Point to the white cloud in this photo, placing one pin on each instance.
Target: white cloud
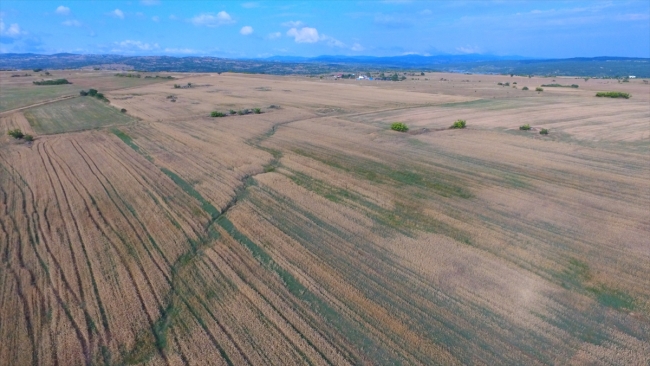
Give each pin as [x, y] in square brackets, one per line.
[155, 18]
[62, 10]
[357, 47]
[332, 42]
[129, 44]
[246, 30]
[304, 35]
[13, 31]
[210, 20]
[149, 2]
[293, 24]
[468, 49]
[181, 50]
[117, 13]
[274, 35]
[250, 5]
[72, 23]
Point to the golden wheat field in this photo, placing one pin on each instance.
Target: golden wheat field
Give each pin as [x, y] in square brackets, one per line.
[312, 234]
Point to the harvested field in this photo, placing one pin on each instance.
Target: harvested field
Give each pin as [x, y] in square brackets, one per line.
[313, 234]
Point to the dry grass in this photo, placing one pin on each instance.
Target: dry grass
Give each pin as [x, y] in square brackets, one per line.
[312, 234]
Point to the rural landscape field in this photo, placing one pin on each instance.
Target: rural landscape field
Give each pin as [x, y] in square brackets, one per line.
[299, 229]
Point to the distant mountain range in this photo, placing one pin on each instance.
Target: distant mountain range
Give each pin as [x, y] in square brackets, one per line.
[470, 63]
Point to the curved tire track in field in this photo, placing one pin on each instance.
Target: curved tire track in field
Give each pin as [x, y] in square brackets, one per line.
[128, 220]
[110, 240]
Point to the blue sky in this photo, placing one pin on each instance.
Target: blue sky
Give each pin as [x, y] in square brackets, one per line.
[310, 28]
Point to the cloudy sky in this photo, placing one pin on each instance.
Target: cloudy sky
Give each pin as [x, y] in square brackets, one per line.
[311, 28]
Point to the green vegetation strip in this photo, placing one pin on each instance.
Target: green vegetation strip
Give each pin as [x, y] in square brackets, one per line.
[612, 94]
[207, 206]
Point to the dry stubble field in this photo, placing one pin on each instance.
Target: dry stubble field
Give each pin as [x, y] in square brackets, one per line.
[312, 234]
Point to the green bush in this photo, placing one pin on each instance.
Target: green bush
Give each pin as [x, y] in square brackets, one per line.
[232, 111]
[217, 114]
[543, 131]
[92, 92]
[538, 89]
[613, 95]
[525, 127]
[399, 126]
[123, 110]
[524, 88]
[28, 138]
[16, 133]
[459, 124]
[257, 110]
[83, 93]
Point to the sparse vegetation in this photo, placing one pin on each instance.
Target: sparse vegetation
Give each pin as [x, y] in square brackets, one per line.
[543, 131]
[561, 86]
[525, 127]
[538, 89]
[93, 93]
[524, 88]
[461, 123]
[52, 82]
[217, 114]
[28, 138]
[257, 110]
[613, 94]
[128, 75]
[399, 126]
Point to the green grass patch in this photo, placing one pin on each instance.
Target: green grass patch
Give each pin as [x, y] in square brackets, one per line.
[406, 217]
[612, 298]
[76, 114]
[12, 97]
[205, 205]
[370, 170]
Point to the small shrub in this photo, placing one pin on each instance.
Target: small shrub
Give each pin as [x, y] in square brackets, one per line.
[399, 126]
[543, 131]
[525, 127]
[38, 70]
[613, 95]
[232, 111]
[459, 124]
[83, 93]
[217, 114]
[499, 83]
[28, 138]
[123, 110]
[257, 110]
[514, 83]
[538, 89]
[92, 92]
[177, 86]
[16, 133]
[524, 88]
[506, 84]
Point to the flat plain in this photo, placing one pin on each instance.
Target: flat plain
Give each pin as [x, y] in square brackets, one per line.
[313, 234]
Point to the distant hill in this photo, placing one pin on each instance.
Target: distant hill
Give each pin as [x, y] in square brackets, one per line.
[471, 63]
